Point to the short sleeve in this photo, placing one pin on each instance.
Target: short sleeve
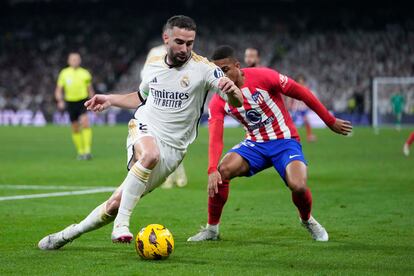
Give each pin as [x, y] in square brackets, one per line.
[144, 89]
[213, 76]
[61, 79]
[88, 78]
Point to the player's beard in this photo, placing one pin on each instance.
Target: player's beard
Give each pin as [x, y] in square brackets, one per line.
[178, 59]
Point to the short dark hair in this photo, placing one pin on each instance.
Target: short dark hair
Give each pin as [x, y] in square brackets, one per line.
[180, 21]
[255, 49]
[222, 52]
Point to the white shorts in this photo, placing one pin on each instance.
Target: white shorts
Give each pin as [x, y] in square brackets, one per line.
[170, 158]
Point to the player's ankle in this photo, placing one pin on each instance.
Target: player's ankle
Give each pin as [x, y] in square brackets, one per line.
[213, 227]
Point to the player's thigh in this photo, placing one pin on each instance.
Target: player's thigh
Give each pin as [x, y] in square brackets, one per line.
[140, 142]
[170, 159]
[289, 161]
[146, 151]
[233, 165]
[253, 160]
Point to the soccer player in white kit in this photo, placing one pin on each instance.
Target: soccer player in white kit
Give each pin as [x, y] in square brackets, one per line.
[169, 105]
[178, 177]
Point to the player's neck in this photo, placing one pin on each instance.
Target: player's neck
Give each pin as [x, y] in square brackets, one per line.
[240, 80]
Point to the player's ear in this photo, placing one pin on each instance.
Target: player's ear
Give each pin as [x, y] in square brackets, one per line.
[165, 37]
[237, 64]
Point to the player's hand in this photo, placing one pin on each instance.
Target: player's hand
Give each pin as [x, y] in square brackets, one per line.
[342, 127]
[98, 103]
[214, 179]
[227, 86]
[61, 105]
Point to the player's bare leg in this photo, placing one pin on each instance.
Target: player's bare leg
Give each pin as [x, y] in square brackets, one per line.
[231, 166]
[296, 178]
[99, 217]
[146, 154]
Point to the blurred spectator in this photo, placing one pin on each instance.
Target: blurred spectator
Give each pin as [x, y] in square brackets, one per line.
[252, 57]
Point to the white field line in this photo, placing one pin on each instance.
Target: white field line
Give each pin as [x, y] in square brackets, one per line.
[44, 187]
[68, 193]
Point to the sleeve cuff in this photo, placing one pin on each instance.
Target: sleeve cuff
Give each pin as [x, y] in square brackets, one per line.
[211, 170]
[139, 96]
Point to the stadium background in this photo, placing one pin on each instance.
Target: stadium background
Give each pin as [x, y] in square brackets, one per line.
[340, 46]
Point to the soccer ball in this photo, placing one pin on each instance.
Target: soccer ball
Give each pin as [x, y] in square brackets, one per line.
[154, 242]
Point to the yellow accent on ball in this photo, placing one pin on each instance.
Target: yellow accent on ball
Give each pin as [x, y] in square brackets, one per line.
[154, 242]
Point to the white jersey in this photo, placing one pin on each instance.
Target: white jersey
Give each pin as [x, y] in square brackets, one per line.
[155, 51]
[174, 97]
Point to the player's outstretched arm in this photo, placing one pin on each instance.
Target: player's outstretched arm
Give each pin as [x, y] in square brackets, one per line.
[341, 127]
[232, 91]
[100, 102]
[215, 142]
[302, 93]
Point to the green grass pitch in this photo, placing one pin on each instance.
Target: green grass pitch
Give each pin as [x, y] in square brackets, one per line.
[363, 191]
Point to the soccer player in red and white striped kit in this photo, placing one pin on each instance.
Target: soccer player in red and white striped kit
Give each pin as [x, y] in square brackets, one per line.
[407, 144]
[271, 139]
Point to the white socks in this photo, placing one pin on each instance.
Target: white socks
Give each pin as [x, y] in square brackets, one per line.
[134, 186]
[214, 228]
[96, 219]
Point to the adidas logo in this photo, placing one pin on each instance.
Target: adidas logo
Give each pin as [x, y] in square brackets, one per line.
[154, 80]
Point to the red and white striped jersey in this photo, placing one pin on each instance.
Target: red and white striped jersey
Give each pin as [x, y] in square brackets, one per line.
[263, 114]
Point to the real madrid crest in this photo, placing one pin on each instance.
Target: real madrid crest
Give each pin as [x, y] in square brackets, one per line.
[185, 82]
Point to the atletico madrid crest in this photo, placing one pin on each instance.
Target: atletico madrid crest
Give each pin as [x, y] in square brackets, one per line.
[258, 97]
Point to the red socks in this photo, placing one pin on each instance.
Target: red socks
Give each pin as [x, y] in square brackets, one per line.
[216, 203]
[410, 139]
[308, 129]
[303, 202]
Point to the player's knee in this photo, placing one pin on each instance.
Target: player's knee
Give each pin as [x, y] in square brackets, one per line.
[297, 184]
[75, 128]
[149, 158]
[225, 171]
[85, 122]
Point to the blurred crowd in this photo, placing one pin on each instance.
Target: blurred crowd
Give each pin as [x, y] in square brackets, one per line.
[343, 63]
[32, 52]
[339, 62]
